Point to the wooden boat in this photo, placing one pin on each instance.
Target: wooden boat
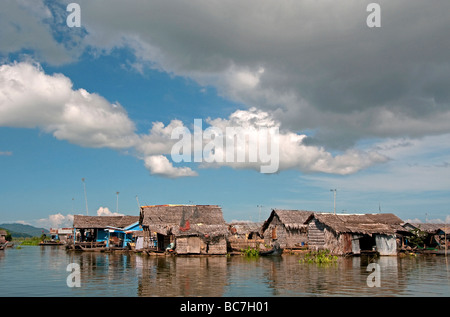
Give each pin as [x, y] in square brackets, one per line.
[51, 243]
[275, 251]
[433, 252]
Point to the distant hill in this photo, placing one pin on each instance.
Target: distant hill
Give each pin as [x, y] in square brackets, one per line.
[19, 230]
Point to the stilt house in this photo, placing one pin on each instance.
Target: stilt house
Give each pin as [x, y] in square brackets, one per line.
[287, 226]
[104, 231]
[186, 229]
[353, 233]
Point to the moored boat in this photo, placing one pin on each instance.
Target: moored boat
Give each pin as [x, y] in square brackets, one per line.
[50, 243]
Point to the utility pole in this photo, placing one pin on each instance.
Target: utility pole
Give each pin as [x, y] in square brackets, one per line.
[117, 203]
[85, 196]
[334, 190]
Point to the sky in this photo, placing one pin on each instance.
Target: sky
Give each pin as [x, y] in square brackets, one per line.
[95, 99]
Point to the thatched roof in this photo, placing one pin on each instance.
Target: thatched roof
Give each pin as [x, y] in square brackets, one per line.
[100, 222]
[244, 227]
[291, 219]
[432, 228]
[359, 223]
[184, 220]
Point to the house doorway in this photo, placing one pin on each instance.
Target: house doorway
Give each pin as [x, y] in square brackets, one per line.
[367, 243]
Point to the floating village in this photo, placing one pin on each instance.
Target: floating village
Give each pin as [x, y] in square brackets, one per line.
[169, 230]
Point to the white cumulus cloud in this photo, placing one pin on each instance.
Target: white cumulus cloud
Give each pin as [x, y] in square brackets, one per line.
[29, 98]
[104, 211]
[160, 165]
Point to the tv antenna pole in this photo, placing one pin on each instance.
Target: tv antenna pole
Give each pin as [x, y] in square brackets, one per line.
[334, 190]
[259, 216]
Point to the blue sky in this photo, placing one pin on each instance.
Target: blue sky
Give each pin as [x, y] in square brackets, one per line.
[366, 114]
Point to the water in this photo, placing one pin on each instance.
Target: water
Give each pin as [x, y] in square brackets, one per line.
[41, 271]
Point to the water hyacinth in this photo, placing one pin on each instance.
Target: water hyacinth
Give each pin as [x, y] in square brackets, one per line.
[319, 257]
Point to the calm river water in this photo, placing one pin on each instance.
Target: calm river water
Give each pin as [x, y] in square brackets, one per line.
[42, 271]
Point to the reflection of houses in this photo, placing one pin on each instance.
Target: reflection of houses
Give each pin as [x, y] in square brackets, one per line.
[243, 234]
[93, 232]
[171, 276]
[287, 226]
[190, 229]
[353, 234]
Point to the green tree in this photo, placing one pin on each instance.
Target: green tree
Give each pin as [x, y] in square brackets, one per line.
[418, 238]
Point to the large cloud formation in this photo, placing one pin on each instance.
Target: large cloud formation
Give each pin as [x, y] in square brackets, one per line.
[310, 66]
[30, 98]
[313, 64]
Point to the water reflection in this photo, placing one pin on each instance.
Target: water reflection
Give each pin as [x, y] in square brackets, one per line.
[182, 276]
[239, 276]
[42, 271]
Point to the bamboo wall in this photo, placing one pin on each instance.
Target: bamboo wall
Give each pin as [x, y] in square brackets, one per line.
[287, 238]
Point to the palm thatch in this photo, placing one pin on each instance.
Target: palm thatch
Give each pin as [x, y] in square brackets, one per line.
[291, 219]
[244, 228]
[184, 220]
[359, 223]
[100, 222]
[432, 228]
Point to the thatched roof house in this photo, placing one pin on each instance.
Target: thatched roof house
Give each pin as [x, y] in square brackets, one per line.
[3, 235]
[287, 226]
[353, 233]
[244, 229]
[104, 230]
[243, 235]
[430, 228]
[435, 234]
[194, 229]
[101, 222]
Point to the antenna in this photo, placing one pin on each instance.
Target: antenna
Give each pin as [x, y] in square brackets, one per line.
[259, 216]
[117, 202]
[139, 205]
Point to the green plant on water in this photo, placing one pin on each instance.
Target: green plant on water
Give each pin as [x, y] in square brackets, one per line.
[250, 252]
[31, 241]
[319, 257]
[418, 238]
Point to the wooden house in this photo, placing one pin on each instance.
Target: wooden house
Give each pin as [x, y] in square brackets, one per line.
[3, 235]
[244, 234]
[63, 235]
[353, 233]
[435, 235]
[287, 227]
[92, 232]
[185, 229]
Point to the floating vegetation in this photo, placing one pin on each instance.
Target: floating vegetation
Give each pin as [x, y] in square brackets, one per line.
[319, 257]
[250, 252]
[30, 241]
